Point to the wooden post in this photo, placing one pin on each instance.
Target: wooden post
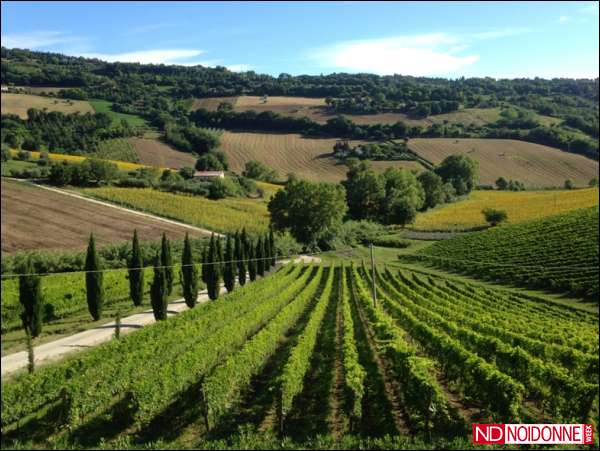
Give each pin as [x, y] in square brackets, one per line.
[373, 275]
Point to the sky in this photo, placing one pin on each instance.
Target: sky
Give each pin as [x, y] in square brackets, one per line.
[442, 39]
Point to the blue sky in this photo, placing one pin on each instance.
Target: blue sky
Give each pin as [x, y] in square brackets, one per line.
[448, 39]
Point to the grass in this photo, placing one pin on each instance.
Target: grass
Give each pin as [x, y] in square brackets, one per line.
[15, 340]
[19, 104]
[104, 106]
[225, 215]
[535, 165]
[520, 206]
[17, 165]
[117, 149]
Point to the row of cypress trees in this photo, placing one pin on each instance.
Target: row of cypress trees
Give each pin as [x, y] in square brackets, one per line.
[242, 257]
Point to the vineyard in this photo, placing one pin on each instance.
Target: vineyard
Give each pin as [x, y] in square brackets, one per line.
[224, 215]
[558, 253]
[306, 351]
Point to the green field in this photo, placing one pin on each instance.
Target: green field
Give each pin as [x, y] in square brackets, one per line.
[16, 165]
[104, 106]
[347, 369]
[559, 253]
[119, 149]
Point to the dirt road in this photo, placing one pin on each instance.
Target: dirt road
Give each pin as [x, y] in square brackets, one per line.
[55, 350]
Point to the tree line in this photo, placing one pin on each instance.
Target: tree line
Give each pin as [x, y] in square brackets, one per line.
[243, 259]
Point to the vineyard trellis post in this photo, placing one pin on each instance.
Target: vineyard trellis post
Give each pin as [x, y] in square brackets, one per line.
[373, 275]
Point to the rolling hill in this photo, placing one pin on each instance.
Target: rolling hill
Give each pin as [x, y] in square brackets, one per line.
[289, 152]
[533, 164]
[19, 104]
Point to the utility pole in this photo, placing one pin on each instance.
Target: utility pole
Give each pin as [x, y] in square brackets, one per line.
[373, 275]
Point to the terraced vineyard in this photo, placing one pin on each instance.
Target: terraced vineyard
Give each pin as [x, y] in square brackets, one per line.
[559, 253]
[429, 358]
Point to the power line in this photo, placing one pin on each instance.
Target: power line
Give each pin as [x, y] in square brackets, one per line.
[507, 265]
[14, 275]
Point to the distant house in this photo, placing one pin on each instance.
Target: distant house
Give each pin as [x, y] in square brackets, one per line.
[209, 175]
[4, 88]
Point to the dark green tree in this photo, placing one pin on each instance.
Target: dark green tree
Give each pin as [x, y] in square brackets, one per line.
[230, 266]
[158, 291]
[30, 297]
[214, 271]
[189, 274]
[312, 212]
[167, 262]
[433, 186]
[205, 266]
[240, 256]
[260, 257]
[136, 272]
[272, 249]
[461, 171]
[365, 190]
[251, 262]
[94, 281]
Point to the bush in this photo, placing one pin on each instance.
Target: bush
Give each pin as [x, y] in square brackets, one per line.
[23, 155]
[493, 216]
[569, 184]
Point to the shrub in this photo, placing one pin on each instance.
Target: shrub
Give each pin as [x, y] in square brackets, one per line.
[493, 216]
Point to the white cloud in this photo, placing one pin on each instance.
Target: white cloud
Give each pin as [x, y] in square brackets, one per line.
[563, 19]
[36, 39]
[419, 55]
[239, 67]
[181, 57]
[428, 54]
[495, 34]
[156, 56]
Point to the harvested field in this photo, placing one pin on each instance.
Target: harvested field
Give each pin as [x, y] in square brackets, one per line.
[154, 152]
[308, 158]
[315, 109]
[19, 104]
[35, 218]
[535, 165]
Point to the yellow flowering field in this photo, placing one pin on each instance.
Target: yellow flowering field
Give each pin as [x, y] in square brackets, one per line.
[224, 215]
[519, 206]
[122, 165]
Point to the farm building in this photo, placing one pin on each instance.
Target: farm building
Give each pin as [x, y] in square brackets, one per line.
[209, 175]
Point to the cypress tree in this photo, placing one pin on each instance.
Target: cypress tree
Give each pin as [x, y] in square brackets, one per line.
[189, 274]
[30, 297]
[272, 250]
[240, 256]
[167, 262]
[214, 274]
[136, 273]
[30, 354]
[246, 242]
[94, 281]
[204, 264]
[260, 257]
[158, 291]
[251, 263]
[230, 269]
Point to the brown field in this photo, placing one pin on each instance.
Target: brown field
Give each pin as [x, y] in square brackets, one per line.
[315, 109]
[308, 158]
[157, 153]
[35, 218]
[19, 104]
[533, 164]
